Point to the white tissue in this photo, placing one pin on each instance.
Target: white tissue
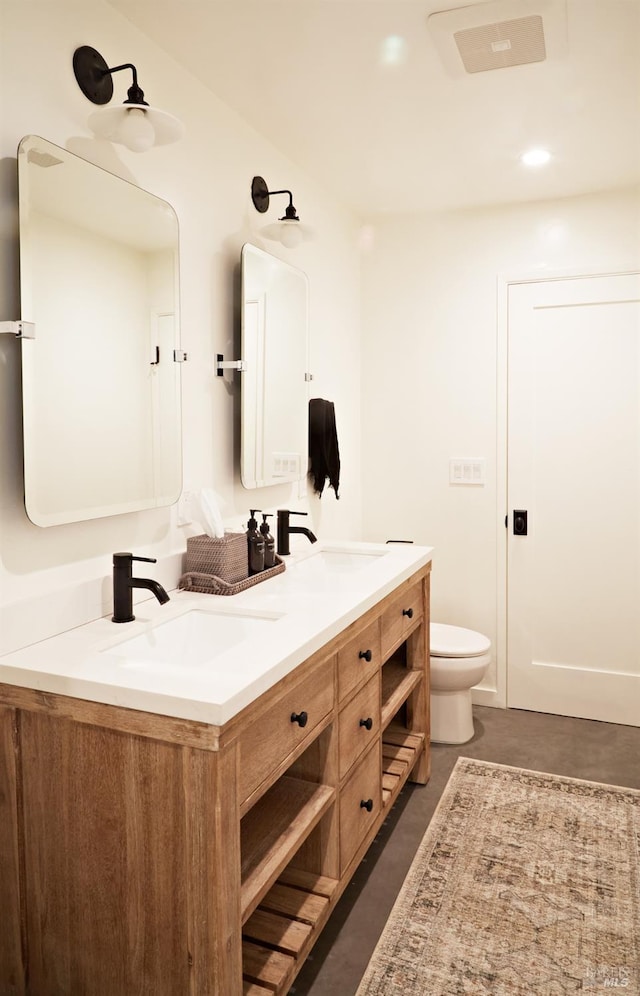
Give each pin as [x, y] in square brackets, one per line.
[210, 515]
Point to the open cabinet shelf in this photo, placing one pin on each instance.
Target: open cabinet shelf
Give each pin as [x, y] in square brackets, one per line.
[398, 682]
[273, 830]
[400, 752]
[278, 936]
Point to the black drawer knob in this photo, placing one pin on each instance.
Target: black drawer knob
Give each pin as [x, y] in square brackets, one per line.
[366, 804]
[367, 723]
[366, 654]
[300, 718]
[408, 613]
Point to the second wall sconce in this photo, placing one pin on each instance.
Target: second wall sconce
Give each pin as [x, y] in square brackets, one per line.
[288, 230]
[134, 123]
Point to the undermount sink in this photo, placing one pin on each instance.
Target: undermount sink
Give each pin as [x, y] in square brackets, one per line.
[337, 561]
[329, 570]
[193, 639]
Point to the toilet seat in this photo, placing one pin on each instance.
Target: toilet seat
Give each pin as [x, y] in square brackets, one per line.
[454, 641]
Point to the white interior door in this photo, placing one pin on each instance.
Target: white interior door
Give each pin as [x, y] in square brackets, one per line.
[573, 600]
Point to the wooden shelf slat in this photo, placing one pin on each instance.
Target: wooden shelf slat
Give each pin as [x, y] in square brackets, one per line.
[398, 735]
[397, 684]
[394, 767]
[404, 754]
[321, 885]
[274, 931]
[400, 752]
[303, 906]
[271, 969]
[389, 782]
[273, 830]
[253, 989]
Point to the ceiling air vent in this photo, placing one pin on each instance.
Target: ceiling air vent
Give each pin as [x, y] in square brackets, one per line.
[496, 46]
[497, 34]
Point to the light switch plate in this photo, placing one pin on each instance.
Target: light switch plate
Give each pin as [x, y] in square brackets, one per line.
[467, 471]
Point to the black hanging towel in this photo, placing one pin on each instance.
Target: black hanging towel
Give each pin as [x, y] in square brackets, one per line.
[323, 446]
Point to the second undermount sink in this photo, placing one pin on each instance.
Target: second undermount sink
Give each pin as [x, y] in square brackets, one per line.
[337, 561]
[330, 570]
[193, 639]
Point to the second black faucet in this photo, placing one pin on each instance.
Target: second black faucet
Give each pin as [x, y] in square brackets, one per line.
[285, 530]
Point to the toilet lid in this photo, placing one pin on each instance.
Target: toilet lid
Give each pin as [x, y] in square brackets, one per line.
[453, 641]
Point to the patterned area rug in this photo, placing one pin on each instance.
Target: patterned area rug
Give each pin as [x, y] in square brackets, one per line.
[525, 883]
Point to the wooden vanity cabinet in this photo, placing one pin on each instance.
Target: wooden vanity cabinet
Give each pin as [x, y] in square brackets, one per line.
[142, 853]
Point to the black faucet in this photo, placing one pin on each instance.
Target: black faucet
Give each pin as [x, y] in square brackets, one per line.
[285, 530]
[124, 583]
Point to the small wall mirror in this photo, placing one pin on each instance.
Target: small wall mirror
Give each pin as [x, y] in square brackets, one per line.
[275, 389]
[101, 378]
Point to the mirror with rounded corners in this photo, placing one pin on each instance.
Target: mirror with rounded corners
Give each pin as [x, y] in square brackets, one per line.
[275, 394]
[101, 377]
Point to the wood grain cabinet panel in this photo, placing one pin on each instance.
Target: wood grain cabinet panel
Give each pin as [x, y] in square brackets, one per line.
[120, 895]
[271, 739]
[401, 618]
[358, 660]
[11, 967]
[359, 724]
[360, 804]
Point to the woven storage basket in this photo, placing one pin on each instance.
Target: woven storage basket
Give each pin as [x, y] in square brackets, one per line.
[226, 558]
[207, 584]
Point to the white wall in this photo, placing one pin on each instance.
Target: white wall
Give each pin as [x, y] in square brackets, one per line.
[428, 348]
[430, 365]
[54, 578]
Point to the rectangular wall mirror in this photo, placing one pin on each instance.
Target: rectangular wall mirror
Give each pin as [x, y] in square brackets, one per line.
[101, 377]
[275, 389]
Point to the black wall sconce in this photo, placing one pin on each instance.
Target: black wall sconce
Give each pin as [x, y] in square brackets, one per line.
[134, 123]
[288, 230]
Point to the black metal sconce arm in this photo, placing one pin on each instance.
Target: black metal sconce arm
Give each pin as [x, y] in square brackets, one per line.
[135, 95]
[94, 77]
[260, 195]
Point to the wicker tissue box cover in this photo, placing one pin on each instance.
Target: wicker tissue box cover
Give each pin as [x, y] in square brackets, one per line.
[225, 558]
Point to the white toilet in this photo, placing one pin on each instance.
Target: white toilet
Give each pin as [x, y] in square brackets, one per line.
[459, 659]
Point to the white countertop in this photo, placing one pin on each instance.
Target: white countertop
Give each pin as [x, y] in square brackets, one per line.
[305, 612]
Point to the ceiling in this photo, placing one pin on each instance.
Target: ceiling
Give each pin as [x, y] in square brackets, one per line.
[358, 94]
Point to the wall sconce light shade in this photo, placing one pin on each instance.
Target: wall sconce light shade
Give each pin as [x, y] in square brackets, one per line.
[134, 123]
[138, 127]
[288, 230]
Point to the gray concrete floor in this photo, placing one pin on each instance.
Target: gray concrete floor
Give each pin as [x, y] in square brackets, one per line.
[579, 748]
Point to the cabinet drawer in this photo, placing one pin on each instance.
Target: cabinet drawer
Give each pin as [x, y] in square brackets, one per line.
[363, 789]
[401, 617]
[359, 723]
[358, 660]
[273, 735]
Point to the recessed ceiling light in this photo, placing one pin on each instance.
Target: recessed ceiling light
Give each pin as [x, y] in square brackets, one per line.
[393, 51]
[535, 157]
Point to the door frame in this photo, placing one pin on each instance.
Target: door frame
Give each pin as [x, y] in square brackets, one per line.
[499, 696]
